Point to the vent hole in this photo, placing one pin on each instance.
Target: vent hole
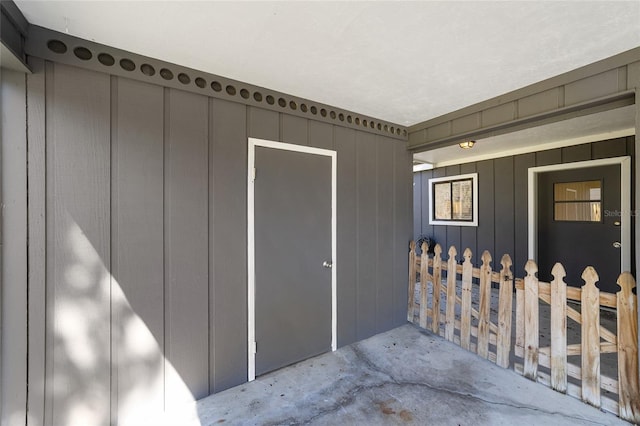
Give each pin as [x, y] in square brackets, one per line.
[332, 114]
[106, 59]
[245, 93]
[386, 128]
[282, 102]
[303, 107]
[183, 78]
[365, 123]
[323, 112]
[397, 131]
[293, 105]
[314, 110]
[392, 129]
[57, 46]
[127, 64]
[230, 90]
[341, 117]
[147, 70]
[379, 126]
[257, 96]
[371, 124]
[404, 132]
[270, 100]
[349, 119]
[358, 121]
[166, 74]
[216, 86]
[200, 82]
[82, 53]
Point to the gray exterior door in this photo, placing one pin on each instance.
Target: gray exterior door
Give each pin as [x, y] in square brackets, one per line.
[579, 218]
[293, 296]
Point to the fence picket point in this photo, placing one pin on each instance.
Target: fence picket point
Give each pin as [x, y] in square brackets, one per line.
[505, 301]
[558, 329]
[590, 338]
[449, 330]
[465, 305]
[437, 281]
[531, 321]
[485, 304]
[628, 387]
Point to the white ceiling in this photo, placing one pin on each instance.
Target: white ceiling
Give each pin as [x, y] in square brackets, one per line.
[403, 62]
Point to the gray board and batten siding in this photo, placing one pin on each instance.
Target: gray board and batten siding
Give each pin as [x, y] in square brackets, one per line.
[138, 229]
[502, 202]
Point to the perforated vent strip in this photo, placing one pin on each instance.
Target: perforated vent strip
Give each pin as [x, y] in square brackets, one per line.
[203, 83]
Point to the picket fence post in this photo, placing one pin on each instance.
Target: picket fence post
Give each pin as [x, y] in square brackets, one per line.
[424, 280]
[531, 321]
[558, 329]
[465, 309]
[628, 388]
[450, 320]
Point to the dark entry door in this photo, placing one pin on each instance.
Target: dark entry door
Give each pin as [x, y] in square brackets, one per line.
[579, 224]
[292, 243]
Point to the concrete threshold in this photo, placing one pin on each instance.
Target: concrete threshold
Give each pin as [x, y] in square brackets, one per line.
[406, 376]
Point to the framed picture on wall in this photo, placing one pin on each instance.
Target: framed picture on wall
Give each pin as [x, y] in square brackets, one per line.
[453, 200]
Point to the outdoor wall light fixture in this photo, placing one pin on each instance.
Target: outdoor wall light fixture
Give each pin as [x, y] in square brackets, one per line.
[467, 144]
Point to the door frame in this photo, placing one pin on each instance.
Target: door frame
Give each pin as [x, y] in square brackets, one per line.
[625, 202]
[251, 267]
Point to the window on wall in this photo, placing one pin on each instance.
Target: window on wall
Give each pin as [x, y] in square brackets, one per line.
[577, 201]
[453, 200]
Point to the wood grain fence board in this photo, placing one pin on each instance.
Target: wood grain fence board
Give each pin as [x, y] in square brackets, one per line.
[437, 282]
[605, 334]
[629, 391]
[590, 338]
[493, 328]
[451, 295]
[412, 280]
[531, 318]
[485, 305]
[607, 383]
[519, 344]
[465, 303]
[505, 301]
[574, 294]
[424, 280]
[576, 349]
[558, 329]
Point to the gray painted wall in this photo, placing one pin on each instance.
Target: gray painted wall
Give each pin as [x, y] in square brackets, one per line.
[13, 248]
[145, 239]
[502, 203]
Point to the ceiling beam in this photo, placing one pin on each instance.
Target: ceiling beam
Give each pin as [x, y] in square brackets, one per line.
[600, 86]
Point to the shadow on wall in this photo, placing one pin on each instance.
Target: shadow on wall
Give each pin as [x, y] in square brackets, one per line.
[104, 365]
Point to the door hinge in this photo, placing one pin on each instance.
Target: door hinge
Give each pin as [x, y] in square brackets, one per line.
[253, 175]
[255, 347]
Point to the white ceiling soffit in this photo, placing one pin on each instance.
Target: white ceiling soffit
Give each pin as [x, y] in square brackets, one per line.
[589, 128]
[404, 62]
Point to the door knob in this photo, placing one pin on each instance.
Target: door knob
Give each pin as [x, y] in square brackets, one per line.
[327, 264]
[617, 244]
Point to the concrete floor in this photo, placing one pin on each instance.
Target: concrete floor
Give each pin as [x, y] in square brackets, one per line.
[404, 376]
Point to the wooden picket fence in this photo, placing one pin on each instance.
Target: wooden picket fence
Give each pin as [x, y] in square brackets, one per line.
[473, 329]
[469, 322]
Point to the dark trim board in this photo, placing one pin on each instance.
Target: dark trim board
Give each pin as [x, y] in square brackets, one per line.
[502, 182]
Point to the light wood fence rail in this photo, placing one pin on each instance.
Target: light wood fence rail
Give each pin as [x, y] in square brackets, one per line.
[458, 307]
